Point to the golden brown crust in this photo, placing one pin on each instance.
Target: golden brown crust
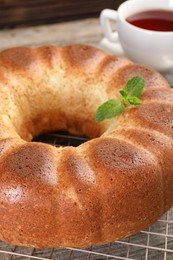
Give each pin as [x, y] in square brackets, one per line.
[105, 189]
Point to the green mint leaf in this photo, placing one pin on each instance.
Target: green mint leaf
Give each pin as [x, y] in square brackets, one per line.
[130, 95]
[133, 101]
[109, 109]
[134, 87]
[123, 93]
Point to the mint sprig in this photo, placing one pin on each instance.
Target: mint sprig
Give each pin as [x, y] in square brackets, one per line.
[109, 109]
[129, 95]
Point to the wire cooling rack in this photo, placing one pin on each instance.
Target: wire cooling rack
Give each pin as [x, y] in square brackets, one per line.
[155, 243]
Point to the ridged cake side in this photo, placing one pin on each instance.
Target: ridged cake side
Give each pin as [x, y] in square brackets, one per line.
[107, 188]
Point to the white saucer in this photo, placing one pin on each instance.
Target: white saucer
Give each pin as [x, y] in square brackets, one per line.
[116, 49]
[113, 48]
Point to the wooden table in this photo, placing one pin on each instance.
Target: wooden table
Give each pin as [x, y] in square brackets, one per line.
[85, 31]
[155, 243]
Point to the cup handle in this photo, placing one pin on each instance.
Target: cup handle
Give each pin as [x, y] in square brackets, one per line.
[105, 16]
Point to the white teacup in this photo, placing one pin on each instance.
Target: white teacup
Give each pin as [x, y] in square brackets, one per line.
[153, 48]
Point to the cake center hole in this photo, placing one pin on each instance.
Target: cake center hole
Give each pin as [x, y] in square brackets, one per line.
[61, 138]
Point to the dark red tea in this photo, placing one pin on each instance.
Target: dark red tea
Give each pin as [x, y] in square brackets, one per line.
[155, 20]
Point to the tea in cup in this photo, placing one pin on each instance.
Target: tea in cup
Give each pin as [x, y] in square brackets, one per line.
[144, 28]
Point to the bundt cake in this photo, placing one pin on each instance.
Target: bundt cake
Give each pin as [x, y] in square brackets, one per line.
[110, 187]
